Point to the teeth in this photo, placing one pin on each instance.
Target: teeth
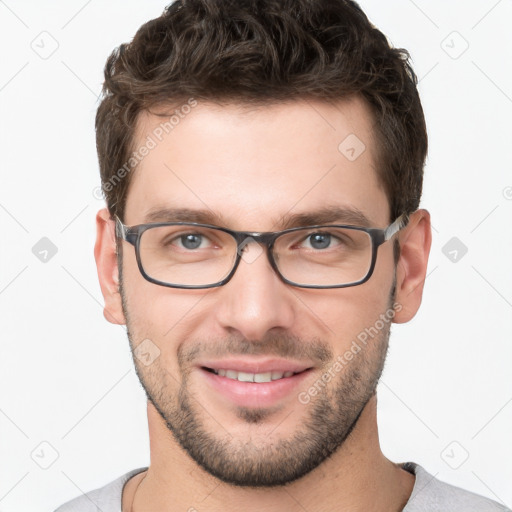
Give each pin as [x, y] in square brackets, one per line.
[246, 377]
[262, 377]
[253, 377]
[231, 374]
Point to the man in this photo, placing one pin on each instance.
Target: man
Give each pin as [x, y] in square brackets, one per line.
[262, 164]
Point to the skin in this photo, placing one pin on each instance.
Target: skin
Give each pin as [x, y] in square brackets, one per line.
[279, 159]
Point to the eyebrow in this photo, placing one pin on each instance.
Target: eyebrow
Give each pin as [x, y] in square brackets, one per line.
[325, 215]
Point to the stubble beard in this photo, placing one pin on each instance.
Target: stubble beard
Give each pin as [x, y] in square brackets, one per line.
[255, 462]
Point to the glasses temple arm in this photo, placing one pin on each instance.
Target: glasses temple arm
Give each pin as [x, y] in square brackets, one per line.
[120, 228]
[396, 226]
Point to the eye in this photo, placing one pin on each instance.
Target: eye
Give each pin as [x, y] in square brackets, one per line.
[191, 241]
[321, 240]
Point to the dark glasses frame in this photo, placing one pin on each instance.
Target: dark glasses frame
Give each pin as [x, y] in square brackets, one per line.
[132, 235]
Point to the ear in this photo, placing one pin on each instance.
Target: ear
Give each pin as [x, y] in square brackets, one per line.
[106, 264]
[415, 240]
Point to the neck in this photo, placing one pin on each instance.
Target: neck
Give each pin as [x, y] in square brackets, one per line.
[356, 477]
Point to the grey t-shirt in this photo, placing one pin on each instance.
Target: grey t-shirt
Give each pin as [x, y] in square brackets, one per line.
[428, 495]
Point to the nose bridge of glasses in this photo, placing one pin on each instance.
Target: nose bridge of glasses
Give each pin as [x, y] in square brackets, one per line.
[244, 238]
[263, 245]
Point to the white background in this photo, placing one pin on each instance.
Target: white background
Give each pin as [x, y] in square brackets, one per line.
[66, 374]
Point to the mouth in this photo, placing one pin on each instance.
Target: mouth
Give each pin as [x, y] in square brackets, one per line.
[253, 383]
[262, 377]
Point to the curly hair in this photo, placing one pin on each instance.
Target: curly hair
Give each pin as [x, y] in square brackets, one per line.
[262, 52]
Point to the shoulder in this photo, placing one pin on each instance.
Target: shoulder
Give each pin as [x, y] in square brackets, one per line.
[104, 499]
[432, 495]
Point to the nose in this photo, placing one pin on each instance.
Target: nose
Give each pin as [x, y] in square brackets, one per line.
[255, 300]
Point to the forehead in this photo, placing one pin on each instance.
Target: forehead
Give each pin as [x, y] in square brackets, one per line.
[250, 166]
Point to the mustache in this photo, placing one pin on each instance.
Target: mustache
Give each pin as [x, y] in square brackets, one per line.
[282, 345]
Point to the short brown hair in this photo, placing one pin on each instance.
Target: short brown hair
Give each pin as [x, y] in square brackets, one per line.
[258, 52]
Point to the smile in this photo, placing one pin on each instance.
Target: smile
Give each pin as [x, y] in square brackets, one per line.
[252, 377]
[254, 381]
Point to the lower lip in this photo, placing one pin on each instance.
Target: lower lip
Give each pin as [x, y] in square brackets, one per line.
[255, 394]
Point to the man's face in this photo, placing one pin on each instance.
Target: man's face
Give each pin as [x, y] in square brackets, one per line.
[251, 168]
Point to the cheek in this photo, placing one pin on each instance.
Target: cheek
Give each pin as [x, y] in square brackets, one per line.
[343, 314]
[145, 301]
[159, 312]
[165, 316]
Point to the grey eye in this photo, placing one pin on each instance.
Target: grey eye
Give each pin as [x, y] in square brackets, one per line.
[191, 241]
[320, 240]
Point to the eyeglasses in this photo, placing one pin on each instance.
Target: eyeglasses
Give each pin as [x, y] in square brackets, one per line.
[192, 255]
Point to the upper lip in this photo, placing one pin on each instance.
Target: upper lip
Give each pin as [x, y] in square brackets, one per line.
[256, 365]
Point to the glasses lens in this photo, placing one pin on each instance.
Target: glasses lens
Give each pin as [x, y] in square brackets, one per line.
[187, 254]
[190, 255]
[326, 256]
